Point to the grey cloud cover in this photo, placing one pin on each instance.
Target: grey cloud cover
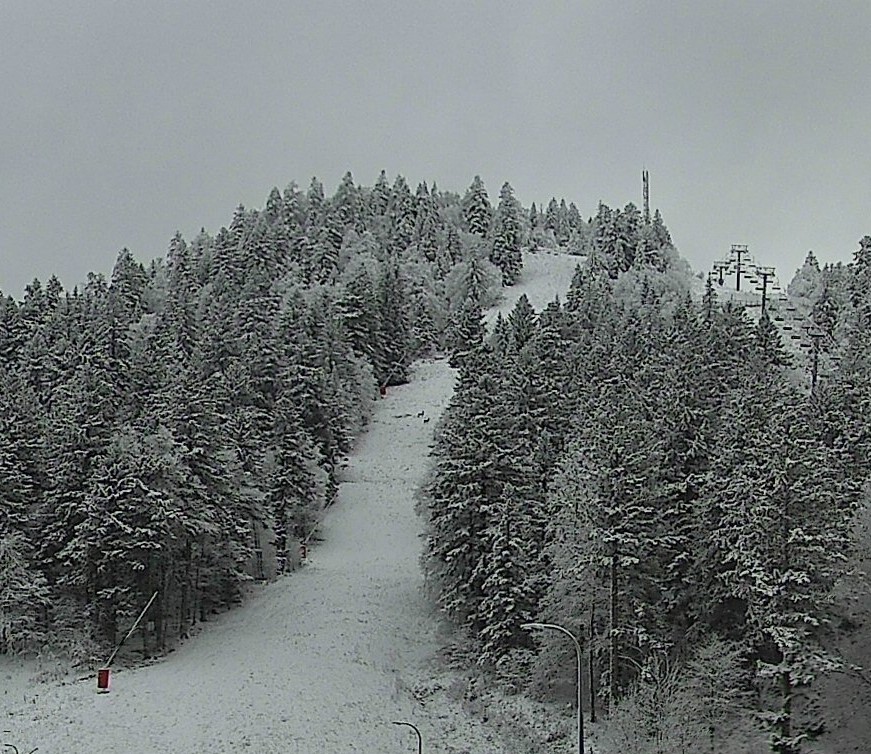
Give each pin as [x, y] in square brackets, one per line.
[123, 122]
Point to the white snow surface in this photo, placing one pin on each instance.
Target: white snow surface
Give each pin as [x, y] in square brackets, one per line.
[322, 660]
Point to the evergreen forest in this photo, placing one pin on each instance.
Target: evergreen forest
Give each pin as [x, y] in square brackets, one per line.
[651, 468]
[660, 474]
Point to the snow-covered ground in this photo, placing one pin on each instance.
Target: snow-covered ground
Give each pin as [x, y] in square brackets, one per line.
[545, 276]
[321, 661]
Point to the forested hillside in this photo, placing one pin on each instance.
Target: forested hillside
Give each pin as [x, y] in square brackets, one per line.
[157, 425]
[647, 470]
[653, 471]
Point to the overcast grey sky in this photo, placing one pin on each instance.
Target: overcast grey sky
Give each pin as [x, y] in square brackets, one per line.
[122, 122]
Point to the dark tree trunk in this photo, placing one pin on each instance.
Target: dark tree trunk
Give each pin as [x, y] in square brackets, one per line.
[592, 662]
[613, 643]
[785, 725]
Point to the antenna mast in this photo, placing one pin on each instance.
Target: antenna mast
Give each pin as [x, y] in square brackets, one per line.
[645, 179]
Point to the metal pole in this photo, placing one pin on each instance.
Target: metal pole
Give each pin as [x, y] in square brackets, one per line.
[132, 629]
[738, 250]
[765, 274]
[577, 644]
[419, 737]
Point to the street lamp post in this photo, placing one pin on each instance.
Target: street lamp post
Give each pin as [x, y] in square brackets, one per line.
[577, 644]
[419, 738]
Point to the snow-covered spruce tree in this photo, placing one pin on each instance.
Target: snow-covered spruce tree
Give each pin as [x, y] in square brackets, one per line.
[516, 573]
[552, 220]
[292, 491]
[472, 277]
[843, 398]
[394, 356]
[825, 309]
[549, 357]
[522, 322]
[505, 253]
[467, 334]
[487, 523]
[501, 339]
[589, 295]
[769, 343]
[359, 306]
[860, 268]
[804, 284]
[346, 203]
[608, 478]
[24, 596]
[508, 596]
[138, 517]
[784, 512]
[462, 493]
[77, 430]
[314, 204]
[683, 407]
[312, 347]
[477, 211]
[380, 195]
[23, 590]
[617, 235]
[213, 490]
[428, 223]
[709, 300]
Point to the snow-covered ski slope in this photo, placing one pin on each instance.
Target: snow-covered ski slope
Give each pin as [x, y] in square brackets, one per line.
[321, 661]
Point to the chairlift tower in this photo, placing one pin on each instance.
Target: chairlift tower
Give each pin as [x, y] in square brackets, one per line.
[737, 251]
[765, 273]
[721, 267]
[816, 336]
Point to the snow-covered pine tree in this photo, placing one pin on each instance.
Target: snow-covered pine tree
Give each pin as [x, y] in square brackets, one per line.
[402, 212]
[782, 528]
[359, 306]
[609, 478]
[803, 286]
[462, 493]
[467, 334]
[24, 594]
[477, 211]
[769, 343]
[292, 483]
[505, 252]
[394, 355]
[508, 596]
[523, 322]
